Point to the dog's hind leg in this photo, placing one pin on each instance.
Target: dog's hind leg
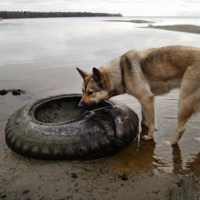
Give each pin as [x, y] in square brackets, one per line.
[188, 101]
[185, 111]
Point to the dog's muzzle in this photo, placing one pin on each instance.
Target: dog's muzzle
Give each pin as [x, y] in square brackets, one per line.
[87, 106]
[81, 105]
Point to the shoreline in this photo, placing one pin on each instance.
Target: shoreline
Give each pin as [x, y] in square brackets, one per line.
[187, 28]
[131, 21]
[28, 14]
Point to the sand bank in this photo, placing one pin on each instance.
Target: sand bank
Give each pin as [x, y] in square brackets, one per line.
[188, 28]
[132, 21]
[179, 27]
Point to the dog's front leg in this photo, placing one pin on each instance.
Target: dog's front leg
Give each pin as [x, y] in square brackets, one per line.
[148, 110]
[144, 121]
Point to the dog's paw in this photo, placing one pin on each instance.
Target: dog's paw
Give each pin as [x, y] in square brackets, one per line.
[146, 137]
[167, 143]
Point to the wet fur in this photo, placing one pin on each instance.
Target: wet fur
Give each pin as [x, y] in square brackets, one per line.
[145, 74]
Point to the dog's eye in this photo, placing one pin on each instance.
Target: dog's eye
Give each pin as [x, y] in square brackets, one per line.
[90, 93]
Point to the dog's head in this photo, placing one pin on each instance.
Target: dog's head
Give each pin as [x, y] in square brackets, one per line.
[95, 88]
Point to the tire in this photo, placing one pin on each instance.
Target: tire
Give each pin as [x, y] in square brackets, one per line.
[39, 130]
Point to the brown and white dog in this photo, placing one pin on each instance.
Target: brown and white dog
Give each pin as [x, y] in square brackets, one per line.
[145, 74]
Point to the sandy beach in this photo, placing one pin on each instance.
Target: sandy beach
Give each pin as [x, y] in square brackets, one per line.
[106, 178]
[29, 179]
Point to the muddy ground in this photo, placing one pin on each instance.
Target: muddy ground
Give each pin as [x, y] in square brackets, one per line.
[29, 179]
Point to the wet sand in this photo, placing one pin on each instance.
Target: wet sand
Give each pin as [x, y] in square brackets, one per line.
[107, 178]
[180, 27]
[132, 21]
[23, 178]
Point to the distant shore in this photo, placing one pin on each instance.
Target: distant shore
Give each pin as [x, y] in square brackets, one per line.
[27, 14]
[178, 27]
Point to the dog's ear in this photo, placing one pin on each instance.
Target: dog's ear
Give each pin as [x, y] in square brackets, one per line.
[100, 78]
[97, 75]
[82, 73]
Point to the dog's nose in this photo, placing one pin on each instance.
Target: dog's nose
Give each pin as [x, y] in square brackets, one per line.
[81, 105]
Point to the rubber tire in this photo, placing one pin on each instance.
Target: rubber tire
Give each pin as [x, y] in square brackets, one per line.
[86, 137]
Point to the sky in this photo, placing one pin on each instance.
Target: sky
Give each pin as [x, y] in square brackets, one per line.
[125, 7]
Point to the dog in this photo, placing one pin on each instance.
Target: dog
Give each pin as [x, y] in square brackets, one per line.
[145, 74]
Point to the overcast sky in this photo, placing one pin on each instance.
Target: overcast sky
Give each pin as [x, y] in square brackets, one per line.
[125, 7]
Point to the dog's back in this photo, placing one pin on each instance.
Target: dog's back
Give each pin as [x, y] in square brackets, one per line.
[163, 68]
[168, 62]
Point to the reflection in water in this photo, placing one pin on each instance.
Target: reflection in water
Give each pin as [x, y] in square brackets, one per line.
[177, 159]
[41, 56]
[194, 165]
[148, 154]
[137, 156]
[141, 155]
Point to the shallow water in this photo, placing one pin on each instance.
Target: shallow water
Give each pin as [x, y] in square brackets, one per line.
[40, 57]
[141, 154]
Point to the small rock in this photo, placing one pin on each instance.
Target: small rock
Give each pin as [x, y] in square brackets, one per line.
[3, 194]
[74, 175]
[124, 177]
[14, 92]
[3, 92]
[86, 169]
[156, 192]
[21, 91]
[26, 191]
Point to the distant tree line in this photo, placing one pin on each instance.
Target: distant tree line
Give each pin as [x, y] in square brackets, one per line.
[27, 14]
